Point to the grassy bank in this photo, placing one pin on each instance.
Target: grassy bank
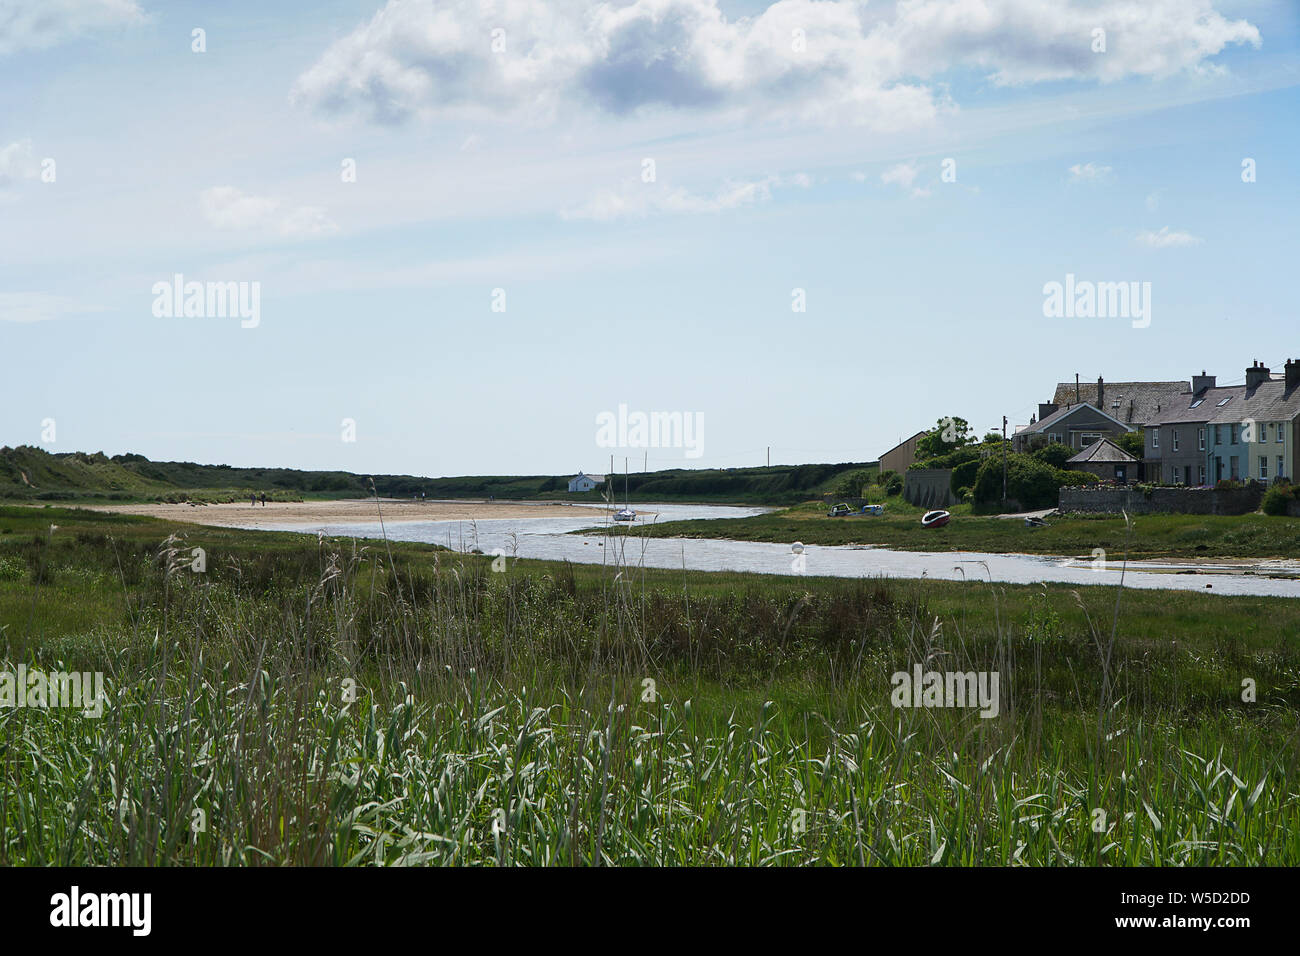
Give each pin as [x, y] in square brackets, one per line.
[1154, 536]
[33, 474]
[314, 701]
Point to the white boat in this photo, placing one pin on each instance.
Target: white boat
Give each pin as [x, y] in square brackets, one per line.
[625, 514]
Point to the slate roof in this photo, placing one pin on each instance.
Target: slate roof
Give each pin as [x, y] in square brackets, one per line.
[1060, 415]
[1139, 402]
[1103, 452]
[1267, 402]
[1181, 412]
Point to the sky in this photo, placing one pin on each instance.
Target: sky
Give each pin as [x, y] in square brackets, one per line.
[475, 229]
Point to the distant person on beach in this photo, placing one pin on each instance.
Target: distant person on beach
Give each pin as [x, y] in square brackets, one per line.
[264, 499]
[252, 499]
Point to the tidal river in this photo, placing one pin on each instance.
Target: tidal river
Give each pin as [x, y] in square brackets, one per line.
[549, 538]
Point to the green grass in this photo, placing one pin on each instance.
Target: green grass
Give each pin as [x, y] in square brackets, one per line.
[30, 473]
[1154, 536]
[503, 718]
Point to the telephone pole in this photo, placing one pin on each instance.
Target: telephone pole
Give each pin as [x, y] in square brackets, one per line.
[1004, 463]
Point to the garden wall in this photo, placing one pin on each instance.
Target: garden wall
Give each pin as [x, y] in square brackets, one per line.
[929, 487]
[1193, 501]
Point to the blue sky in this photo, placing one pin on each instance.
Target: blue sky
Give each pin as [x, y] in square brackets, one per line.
[775, 169]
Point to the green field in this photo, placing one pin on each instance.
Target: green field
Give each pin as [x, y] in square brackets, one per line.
[33, 474]
[318, 701]
[1152, 536]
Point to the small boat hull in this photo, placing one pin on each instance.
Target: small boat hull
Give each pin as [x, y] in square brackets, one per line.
[935, 519]
[625, 515]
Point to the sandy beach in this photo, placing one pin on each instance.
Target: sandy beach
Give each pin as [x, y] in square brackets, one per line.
[359, 510]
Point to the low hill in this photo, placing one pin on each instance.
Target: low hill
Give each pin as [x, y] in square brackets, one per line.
[32, 473]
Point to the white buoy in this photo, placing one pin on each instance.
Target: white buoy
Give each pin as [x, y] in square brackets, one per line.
[797, 547]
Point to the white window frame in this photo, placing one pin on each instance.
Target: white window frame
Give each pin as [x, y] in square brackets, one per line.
[1281, 434]
[1263, 466]
[1175, 439]
[1155, 438]
[1201, 438]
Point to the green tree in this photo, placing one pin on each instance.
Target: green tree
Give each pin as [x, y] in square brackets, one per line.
[948, 435]
[1132, 442]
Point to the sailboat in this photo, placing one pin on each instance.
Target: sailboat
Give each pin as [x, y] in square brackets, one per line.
[625, 513]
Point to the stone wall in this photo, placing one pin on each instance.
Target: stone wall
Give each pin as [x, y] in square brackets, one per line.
[929, 487]
[1195, 501]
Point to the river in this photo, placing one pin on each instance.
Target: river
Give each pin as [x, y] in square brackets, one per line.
[550, 538]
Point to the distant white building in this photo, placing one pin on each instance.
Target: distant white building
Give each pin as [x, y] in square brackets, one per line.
[584, 482]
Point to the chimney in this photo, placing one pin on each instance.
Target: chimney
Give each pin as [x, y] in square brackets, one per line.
[1045, 409]
[1257, 373]
[1292, 373]
[1101, 393]
[1076, 388]
[1201, 382]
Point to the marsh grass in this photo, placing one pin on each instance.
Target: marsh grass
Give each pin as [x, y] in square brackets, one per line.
[320, 702]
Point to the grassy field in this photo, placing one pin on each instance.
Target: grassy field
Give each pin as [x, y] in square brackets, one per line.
[33, 474]
[316, 701]
[1154, 536]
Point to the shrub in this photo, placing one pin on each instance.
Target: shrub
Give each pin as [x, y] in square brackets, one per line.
[1278, 497]
[1054, 454]
[963, 477]
[1029, 481]
[851, 484]
[1070, 478]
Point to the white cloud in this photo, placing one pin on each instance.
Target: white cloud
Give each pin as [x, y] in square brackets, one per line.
[226, 207]
[637, 199]
[904, 176]
[415, 58]
[38, 24]
[17, 161]
[1165, 239]
[1089, 173]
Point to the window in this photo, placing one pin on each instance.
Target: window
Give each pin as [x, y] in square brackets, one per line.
[1175, 439]
[1281, 466]
[1218, 434]
[1155, 438]
[1054, 436]
[1088, 438]
[1281, 433]
[1233, 429]
[1200, 438]
[1263, 466]
[1197, 403]
[1173, 475]
[1201, 476]
[1224, 402]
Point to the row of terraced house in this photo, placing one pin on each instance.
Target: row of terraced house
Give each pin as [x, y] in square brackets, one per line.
[1196, 432]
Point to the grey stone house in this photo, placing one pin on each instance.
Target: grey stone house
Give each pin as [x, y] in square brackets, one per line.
[1177, 437]
[1076, 426]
